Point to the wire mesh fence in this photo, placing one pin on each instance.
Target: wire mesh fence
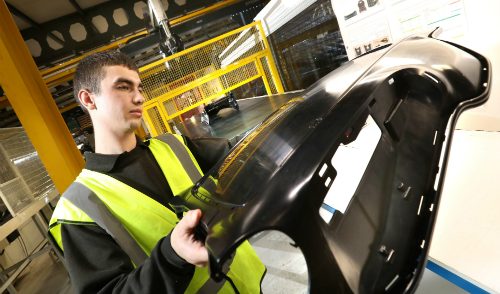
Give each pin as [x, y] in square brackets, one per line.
[206, 72]
[23, 177]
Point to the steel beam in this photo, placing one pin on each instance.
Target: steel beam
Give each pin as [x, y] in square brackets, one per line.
[177, 14]
[34, 106]
[84, 16]
[33, 23]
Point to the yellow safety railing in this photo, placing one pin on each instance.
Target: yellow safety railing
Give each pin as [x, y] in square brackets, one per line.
[205, 72]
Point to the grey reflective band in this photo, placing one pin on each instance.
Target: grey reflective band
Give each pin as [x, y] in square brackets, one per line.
[179, 149]
[86, 200]
[182, 154]
[212, 286]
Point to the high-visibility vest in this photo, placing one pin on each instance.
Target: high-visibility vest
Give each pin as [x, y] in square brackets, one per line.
[156, 221]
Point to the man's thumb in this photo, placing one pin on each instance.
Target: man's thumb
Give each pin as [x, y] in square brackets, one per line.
[192, 217]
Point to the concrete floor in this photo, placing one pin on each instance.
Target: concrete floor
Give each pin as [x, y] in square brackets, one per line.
[286, 271]
[286, 267]
[44, 275]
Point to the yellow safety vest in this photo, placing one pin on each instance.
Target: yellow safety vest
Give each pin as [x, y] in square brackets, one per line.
[156, 221]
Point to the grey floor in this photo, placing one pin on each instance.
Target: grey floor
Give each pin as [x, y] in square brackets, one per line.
[286, 267]
[44, 275]
[286, 271]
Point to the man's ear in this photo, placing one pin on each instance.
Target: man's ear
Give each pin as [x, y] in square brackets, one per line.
[87, 99]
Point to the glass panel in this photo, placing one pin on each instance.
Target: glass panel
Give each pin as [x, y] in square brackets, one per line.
[309, 46]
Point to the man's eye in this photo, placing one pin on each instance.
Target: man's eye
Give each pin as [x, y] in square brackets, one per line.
[123, 87]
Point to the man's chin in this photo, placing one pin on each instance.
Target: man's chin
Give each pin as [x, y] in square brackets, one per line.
[134, 125]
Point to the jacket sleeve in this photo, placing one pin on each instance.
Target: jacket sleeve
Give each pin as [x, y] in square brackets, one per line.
[97, 264]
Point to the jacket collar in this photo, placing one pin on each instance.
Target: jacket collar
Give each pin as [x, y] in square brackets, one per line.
[106, 162]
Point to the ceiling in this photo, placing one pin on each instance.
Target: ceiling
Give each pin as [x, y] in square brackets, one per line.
[41, 11]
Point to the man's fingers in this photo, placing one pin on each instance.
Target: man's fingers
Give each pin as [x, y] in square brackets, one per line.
[192, 218]
[184, 243]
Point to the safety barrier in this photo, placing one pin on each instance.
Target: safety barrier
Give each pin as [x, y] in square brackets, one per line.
[206, 72]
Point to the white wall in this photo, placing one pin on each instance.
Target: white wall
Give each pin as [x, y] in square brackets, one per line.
[483, 20]
[475, 27]
[466, 236]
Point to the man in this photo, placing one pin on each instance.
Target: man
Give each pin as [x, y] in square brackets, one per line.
[134, 181]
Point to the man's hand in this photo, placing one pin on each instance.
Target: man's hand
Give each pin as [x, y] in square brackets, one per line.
[184, 243]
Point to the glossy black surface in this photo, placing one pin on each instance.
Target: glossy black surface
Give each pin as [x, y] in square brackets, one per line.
[230, 123]
[228, 101]
[413, 90]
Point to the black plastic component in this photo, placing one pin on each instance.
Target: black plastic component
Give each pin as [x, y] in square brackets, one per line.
[179, 207]
[412, 90]
[200, 232]
[228, 101]
[351, 15]
[170, 46]
[361, 6]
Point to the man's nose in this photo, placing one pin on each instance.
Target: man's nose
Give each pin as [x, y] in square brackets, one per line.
[139, 98]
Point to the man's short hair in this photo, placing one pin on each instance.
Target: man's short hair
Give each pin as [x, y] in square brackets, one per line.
[90, 71]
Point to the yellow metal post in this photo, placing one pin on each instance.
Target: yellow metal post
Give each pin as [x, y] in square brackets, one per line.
[34, 105]
[270, 60]
[164, 115]
[140, 132]
[264, 77]
[150, 125]
[149, 122]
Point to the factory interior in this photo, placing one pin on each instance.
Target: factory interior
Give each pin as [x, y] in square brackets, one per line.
[352, 143]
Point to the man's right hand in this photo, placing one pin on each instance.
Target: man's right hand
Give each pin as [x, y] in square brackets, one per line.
[183, 240]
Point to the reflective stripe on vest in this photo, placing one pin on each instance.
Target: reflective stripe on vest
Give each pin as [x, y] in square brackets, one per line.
[156, 220]
[86, 200]
[182, 154]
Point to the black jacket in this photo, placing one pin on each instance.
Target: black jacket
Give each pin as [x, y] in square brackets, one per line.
[95, 261]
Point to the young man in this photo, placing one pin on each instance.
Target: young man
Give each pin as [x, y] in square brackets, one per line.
[130, 182]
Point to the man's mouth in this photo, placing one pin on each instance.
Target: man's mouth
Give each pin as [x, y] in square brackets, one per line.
[136, 112]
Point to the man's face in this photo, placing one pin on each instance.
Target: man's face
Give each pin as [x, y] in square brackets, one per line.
[119, 104]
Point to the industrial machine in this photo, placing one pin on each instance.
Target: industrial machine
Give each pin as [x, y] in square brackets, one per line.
[161, 42]
[401, 103]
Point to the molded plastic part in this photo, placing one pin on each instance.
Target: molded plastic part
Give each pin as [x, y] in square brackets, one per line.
[414, 91]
